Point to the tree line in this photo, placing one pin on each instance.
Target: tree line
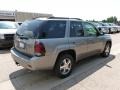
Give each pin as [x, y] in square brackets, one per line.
[112, 19]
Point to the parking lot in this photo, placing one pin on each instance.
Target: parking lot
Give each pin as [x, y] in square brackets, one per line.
[93, 73]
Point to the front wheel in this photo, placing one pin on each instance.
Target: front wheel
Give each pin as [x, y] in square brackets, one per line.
[110, 31]
[107, 49]
[64, 66]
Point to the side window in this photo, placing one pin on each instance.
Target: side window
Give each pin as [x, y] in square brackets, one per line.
[54, 29]
[76, 29]
[89, 29]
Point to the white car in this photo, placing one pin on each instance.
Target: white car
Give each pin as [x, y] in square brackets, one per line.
[116, 27]
[7, 31]
[101, 27]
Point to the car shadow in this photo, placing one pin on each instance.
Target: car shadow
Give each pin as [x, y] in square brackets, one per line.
[5, 50]
[39, 80]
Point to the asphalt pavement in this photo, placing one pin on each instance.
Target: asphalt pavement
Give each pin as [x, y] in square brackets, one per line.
[93, 73]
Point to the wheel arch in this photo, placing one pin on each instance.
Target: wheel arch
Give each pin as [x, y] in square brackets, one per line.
[70, 51]
[109, 41]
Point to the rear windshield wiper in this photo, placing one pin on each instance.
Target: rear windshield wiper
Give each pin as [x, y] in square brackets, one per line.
[18, 34]
[21, 36]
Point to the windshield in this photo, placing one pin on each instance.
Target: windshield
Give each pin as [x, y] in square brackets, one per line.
[112, 24]
[96, 24]
[106, 24]
[7, 25]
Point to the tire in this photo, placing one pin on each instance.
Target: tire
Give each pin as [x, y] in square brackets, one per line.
[110, 31]
[64, 65]
[106, 51]
[117, 31]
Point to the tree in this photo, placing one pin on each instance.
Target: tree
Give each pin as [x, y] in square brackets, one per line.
[112, 19]
[104, 20]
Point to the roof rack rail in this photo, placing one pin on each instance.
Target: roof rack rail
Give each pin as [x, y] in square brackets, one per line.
[76, 18]
[58, 18]
[63, 18]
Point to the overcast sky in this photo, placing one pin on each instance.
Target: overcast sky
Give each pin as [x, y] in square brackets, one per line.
[84, 9]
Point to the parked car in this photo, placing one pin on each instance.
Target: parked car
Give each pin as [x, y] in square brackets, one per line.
[116, 27]
[57, 43]
[101, 27]
[110, 28]
[7, 31]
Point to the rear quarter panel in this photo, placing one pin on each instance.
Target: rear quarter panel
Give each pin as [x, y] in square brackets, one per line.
[53, 47]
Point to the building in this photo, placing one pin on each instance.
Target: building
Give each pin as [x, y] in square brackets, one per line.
[20, 16]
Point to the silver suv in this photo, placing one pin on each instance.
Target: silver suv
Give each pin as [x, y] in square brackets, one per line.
[57, 43]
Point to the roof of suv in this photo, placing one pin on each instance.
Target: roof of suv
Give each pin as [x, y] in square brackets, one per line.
[58, 18]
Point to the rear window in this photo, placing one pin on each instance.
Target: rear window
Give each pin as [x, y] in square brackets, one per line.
[42, 29]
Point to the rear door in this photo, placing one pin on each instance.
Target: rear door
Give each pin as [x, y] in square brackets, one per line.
[77, 40]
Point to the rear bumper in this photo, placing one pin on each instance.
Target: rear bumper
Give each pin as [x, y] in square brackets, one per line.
[6, 43]
[32, 63]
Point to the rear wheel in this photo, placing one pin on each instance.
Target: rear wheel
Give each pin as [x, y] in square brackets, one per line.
[64, 66]
[107, 49]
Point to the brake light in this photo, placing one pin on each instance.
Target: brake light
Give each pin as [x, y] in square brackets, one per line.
[39, 49]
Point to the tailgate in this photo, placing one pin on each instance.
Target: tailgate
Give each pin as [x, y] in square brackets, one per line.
[25, 46]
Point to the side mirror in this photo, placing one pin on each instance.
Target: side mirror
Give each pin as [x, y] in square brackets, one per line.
[100, 33]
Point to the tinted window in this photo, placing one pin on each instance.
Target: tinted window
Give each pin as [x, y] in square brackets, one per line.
[30, 27]
[42, 29]
[90, 30]
[53, 29]
[7, 25]
[76, 29]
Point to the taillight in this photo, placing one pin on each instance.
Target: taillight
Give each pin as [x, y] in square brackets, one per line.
[39, 49]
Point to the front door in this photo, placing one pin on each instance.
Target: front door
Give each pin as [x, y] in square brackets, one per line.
[94, 43]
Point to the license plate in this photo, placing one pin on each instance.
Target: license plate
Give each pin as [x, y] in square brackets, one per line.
[21, 45]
